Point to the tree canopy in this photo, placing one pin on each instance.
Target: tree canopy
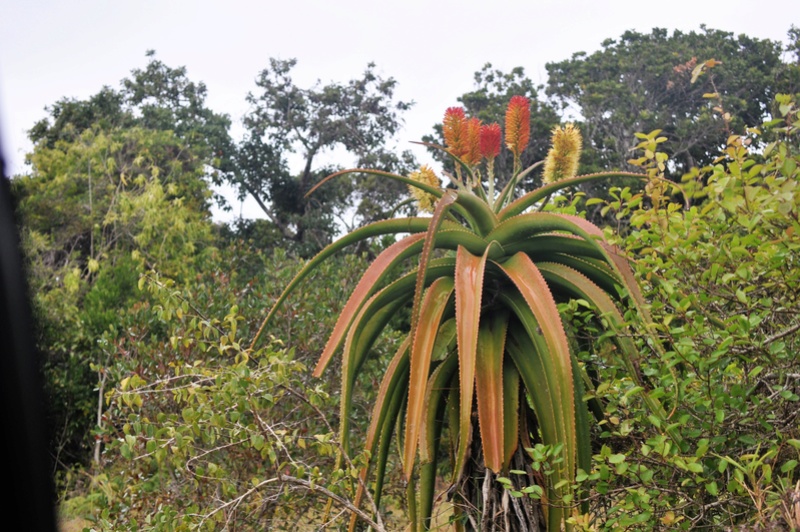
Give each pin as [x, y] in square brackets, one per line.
[644, 81]
[358, 117]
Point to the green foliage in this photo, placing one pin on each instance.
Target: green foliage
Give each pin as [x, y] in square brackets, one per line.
[192, 417]
[96, 210]
[724, 282]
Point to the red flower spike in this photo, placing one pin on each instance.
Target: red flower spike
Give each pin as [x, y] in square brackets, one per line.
[518, 124]
[490, 141]
[454, 128]
[473, 142]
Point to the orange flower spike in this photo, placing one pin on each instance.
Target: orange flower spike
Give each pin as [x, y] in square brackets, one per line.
[454, 128]
[490, 141]
[473, 142]
[518, 124]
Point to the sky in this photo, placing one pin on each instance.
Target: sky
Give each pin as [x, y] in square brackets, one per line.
[54, 49]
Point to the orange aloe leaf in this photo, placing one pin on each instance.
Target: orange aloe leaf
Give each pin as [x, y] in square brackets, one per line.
[387, 405]
[489, 388]
[366, 285]
[556, 359]
[384, 227]
[620, 264]
[430, 317]
[469, 289]
[439, 211]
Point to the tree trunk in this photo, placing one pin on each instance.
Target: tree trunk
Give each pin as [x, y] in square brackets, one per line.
[487, 505]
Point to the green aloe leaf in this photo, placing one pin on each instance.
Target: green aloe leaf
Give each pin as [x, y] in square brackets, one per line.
[435, 404]
[523, 226]
[368, 325]
[391, 396]
[384, 227]
[489, 387]
[520, 204]
[511, 408]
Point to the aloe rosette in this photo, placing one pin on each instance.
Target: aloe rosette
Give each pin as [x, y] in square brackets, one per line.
[486, 338]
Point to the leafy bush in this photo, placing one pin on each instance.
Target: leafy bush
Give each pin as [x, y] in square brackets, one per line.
[718, 256]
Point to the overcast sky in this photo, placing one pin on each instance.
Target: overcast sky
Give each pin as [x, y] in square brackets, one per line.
[52, 49]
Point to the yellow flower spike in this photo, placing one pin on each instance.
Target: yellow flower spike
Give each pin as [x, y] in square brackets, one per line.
[562, 159]
[425, 175]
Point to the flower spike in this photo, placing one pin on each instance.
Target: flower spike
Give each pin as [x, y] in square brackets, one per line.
[490, 141]
[518, 124]
[455, 131]
[427, 176]
[473, 144]
[562, 159]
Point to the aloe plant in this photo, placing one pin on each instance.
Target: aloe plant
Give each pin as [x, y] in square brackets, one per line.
[486, 338]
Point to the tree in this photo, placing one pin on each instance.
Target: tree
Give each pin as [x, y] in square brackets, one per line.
[158, 98]
[641, 82]
[118, 184]
[96, 211]
[359, 116]
[486, 340]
